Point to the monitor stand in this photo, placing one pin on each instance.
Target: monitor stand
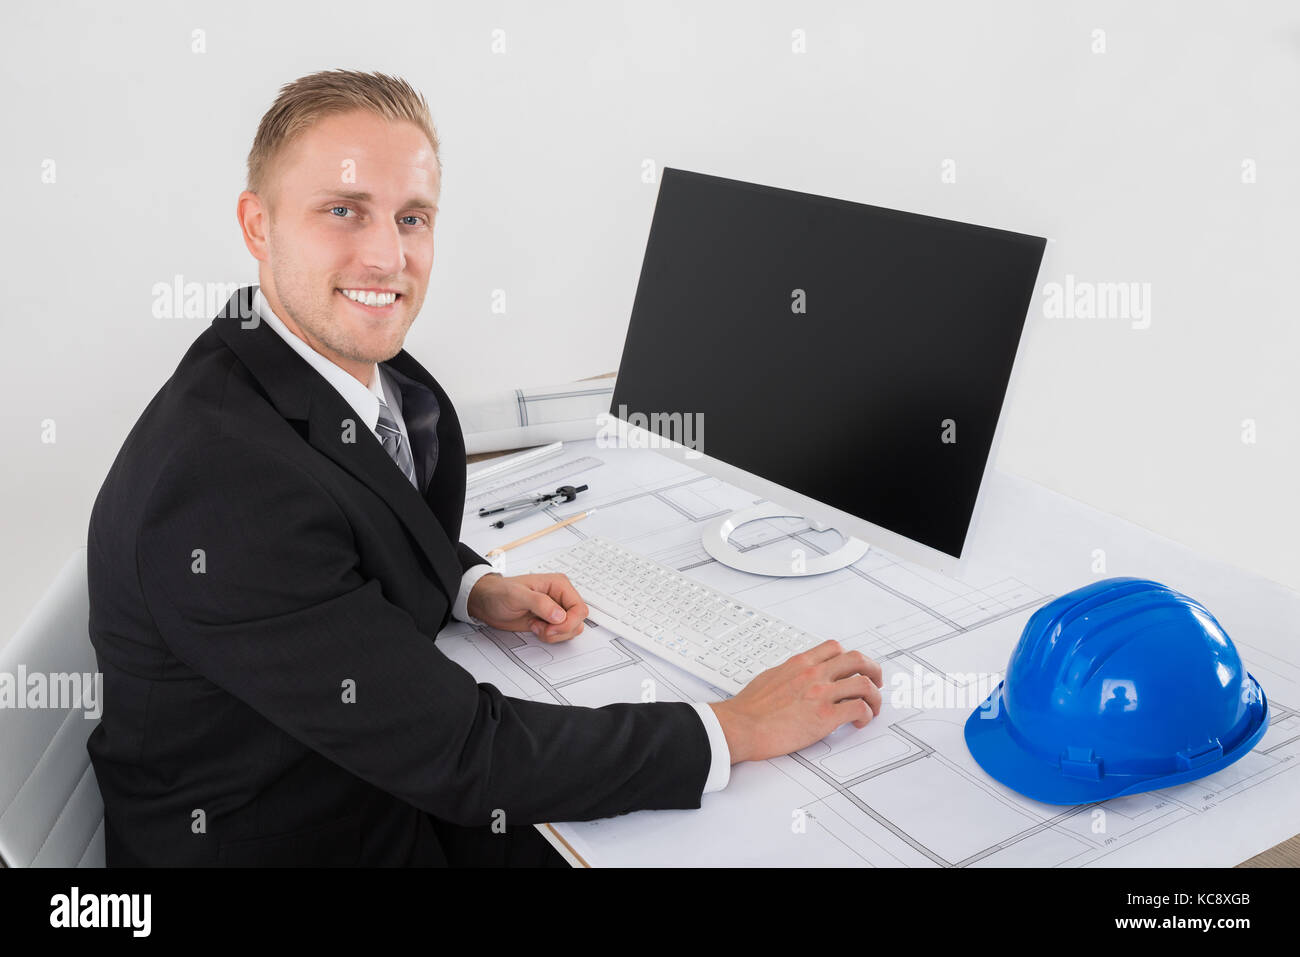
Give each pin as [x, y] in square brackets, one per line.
[717, 533]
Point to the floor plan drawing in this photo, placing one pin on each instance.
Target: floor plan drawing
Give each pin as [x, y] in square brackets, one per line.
[903, 791]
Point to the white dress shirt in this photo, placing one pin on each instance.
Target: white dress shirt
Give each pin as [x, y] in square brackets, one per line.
[365, 402]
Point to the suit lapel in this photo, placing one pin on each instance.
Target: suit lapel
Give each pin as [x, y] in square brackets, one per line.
[300, 394]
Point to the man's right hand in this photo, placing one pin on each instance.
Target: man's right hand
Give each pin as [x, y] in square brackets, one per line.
[800, 701]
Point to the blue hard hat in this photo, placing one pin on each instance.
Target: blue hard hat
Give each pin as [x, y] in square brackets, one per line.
[1119, 687]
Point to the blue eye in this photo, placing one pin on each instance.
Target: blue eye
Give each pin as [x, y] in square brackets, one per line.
[418, 221]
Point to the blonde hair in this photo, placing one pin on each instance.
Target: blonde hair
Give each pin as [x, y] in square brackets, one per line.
[310, 98]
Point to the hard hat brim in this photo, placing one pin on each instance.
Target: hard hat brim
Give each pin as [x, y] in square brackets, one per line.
[1004, 759]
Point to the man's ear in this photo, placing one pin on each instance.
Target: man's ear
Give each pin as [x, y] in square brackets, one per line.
[254, 222]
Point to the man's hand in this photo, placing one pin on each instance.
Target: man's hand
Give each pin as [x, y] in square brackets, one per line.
[799, 702]
[547, 605]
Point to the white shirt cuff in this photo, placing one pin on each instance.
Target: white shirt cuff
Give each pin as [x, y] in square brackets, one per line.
[460, 610]
[720, 765]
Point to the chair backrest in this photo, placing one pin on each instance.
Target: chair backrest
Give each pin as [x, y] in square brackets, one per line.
[51, 813]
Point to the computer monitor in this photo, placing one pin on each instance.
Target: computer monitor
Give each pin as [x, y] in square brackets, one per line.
[847, 363]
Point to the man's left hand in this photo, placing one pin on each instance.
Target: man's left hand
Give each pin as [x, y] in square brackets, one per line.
[546, 604]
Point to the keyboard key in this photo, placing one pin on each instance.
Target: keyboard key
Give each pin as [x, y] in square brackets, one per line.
[719, 628]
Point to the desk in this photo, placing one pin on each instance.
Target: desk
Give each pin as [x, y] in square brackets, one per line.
[1050, 540]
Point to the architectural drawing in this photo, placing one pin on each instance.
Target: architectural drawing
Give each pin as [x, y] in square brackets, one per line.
[904, 791]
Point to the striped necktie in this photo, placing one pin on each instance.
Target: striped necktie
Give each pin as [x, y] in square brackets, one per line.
[394, 443]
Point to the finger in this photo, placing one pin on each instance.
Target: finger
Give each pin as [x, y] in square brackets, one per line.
[855, 663]
[858, 686]
[563, 633]
[823, 652]
[855, 710]
[562, 591]
[542, 604]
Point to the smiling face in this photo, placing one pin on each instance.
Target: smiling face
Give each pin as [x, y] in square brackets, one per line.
[348, 213]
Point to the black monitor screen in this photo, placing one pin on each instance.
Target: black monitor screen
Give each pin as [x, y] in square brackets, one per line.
[854, 354]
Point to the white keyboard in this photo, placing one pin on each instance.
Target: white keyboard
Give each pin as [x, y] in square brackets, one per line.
[699, 629]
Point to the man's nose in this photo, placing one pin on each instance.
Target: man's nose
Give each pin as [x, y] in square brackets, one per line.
[382, 249]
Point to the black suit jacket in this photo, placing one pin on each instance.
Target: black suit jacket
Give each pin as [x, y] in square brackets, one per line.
[264, 601]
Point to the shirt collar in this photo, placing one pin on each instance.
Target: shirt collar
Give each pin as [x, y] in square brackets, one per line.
[364, 401]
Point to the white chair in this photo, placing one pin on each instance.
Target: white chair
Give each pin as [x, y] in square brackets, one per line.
[51, 813]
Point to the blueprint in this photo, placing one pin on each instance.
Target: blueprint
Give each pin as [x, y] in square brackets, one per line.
[904, 790]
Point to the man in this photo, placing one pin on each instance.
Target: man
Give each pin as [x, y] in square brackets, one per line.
[276, 548]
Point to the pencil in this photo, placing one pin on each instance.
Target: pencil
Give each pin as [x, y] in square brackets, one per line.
[538, 534]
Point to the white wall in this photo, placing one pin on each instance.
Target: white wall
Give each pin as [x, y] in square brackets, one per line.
[1130, 160]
